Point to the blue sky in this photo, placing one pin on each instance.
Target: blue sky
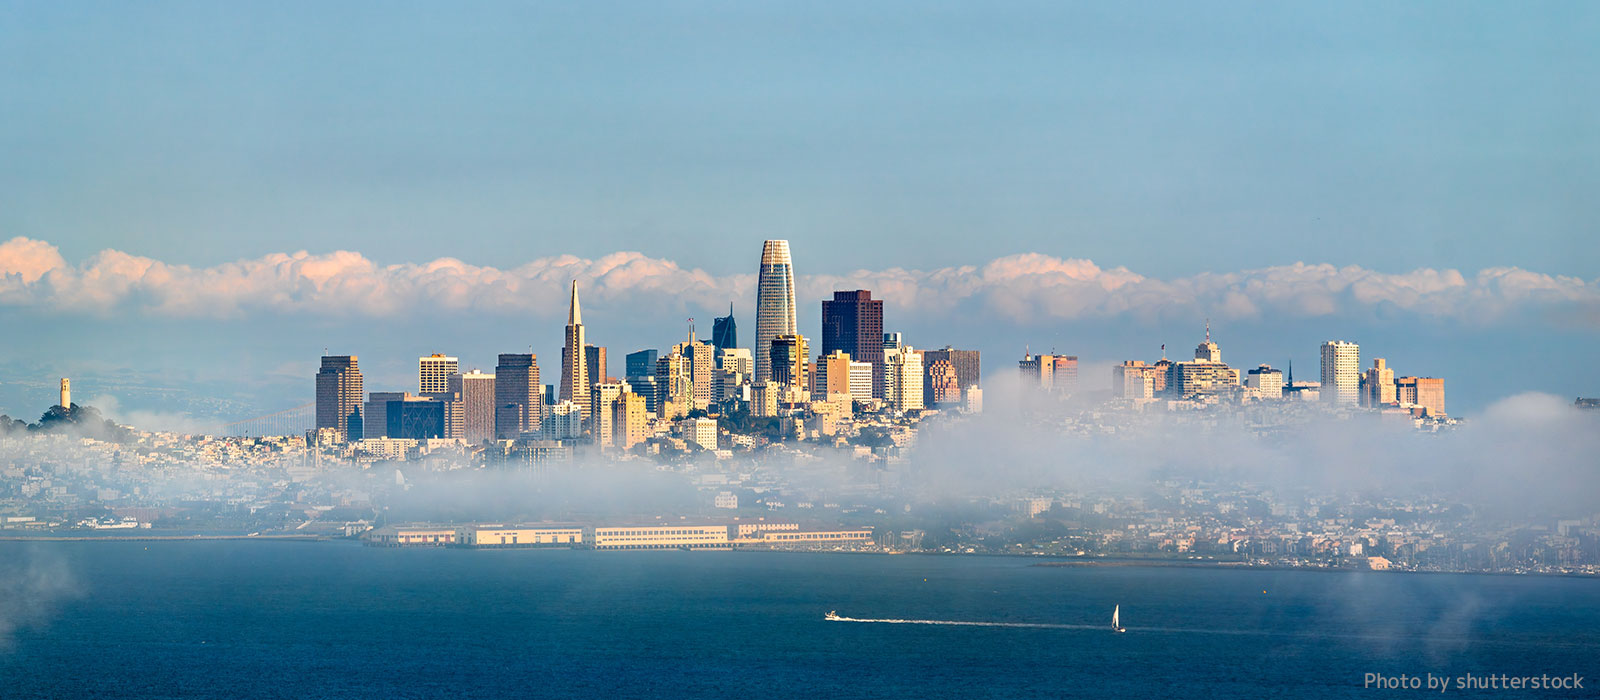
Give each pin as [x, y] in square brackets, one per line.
[1173, 139]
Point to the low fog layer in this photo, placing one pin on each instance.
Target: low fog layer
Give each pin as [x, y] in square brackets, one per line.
[1531, 454]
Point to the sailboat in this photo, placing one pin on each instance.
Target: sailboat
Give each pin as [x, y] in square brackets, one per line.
[1116, 620]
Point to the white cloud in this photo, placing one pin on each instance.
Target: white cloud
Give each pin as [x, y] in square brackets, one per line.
[1027, 289]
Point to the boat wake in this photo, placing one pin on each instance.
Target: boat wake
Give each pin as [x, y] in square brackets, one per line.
[964, 623]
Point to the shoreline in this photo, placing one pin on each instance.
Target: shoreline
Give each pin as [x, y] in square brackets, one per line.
[1152, 563]
[162, 538]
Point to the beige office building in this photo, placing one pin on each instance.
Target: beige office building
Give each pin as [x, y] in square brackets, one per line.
[433, 374]
[602, 413]
[833, 374]
[764, 399]
[628, 420]
[1426, 392]
[475, 391]
[701, 431]
[860, 380]
[1266, 381]
[1378, 388]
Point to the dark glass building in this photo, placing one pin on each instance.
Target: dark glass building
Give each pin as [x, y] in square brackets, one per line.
[724, 333]
[416, 420]
[853, 322]
[642, 363]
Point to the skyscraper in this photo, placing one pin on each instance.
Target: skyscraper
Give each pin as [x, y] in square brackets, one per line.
[376, 412]
[940, 385]
[641, 363]
[627, 420]
[903, 378]
[433, 373]
[1378, 385]
[964, 362]
[475, 390]
[674, 385]
[1426, 392]
[1037, 371]
[1064, 376]
[594, 364]
[574, 363]
[518, 396]
[724, 333]
[602, 398]
[832, 376]
[1341, 372]
[775, 312]
[339, 394]
[853, 322]
[788, 355]
[702, 368]
[417, 418]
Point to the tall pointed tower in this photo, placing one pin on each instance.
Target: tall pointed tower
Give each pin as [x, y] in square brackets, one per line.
[775, 313]
[574, 370]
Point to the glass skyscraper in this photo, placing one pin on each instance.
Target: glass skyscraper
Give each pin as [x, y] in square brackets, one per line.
[724, 332]
[775, 312]
[853, 322]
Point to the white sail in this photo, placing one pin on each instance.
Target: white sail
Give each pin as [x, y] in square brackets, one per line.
[1116, 614]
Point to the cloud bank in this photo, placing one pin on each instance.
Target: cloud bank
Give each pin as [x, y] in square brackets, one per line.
[1027, 289]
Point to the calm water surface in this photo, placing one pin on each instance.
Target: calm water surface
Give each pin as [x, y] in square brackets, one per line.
[335, 620]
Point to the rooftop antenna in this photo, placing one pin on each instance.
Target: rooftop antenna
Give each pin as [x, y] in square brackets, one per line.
[1208, 329]
[691, 330]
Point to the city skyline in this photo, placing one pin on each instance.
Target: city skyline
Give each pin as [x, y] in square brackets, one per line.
[928, 332]
[1093, 305]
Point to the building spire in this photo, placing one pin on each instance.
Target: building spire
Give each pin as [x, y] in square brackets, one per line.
[1208, 320]
[574, 317]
